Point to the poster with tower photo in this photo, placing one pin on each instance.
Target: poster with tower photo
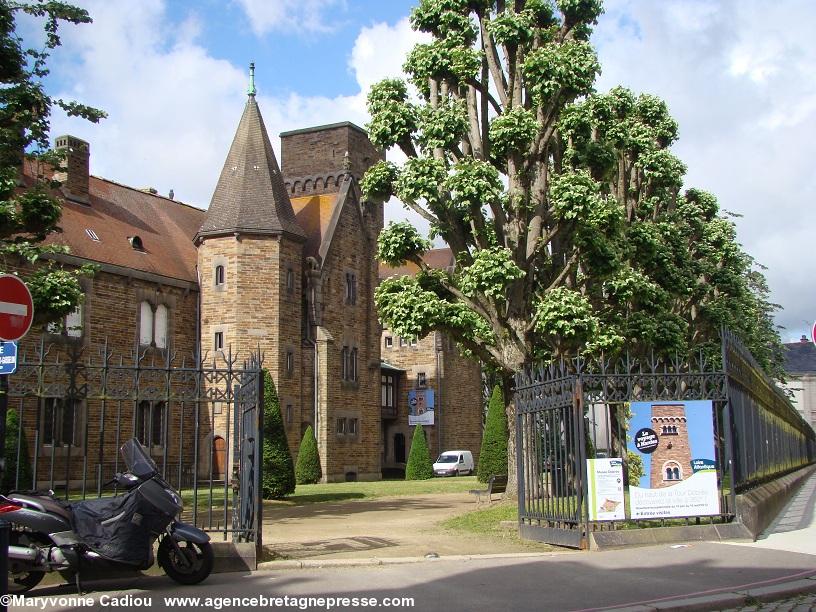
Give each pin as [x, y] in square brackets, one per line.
[675, 443]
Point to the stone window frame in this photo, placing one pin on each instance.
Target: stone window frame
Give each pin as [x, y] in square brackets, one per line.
[80, 414]
[421, 380]
[219, 262]
[389, 342]
[155, 298]
[290, 280]
[59, 331]
[351, 288]
[289, 362]
[218, 341]
[153, 406]
[349, 366]
[388, 382]
[347, 425]
[672, 471]
[289, 415]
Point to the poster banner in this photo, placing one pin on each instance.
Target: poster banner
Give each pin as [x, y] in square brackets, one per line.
[421, 407]
[675, 442]
[605, 489]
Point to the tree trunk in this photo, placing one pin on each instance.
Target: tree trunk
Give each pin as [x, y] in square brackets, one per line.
[510, 411]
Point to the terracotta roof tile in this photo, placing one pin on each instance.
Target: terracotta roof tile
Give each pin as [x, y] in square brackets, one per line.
[435, 258]
[115, 214]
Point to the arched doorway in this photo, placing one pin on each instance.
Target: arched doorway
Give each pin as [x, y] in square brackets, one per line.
[399, 448]
[219, 458]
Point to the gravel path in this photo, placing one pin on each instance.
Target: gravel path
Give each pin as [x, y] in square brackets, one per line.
[404, 526]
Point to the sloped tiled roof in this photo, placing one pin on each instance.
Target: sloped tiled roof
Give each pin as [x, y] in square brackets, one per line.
[800, 357]
[115, 214]
[250, 196]
[435, 258]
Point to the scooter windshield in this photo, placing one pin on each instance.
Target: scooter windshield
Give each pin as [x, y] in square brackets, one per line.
[136, 458]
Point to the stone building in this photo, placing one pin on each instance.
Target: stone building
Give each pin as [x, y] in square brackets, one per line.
[283, 260]
[671, 460]
[432, 367]
[800, 367]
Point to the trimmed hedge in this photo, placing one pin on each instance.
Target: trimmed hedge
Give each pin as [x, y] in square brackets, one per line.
[493, 456]
[10, 474]
[278, 474]
[307, 468]
[419, 466]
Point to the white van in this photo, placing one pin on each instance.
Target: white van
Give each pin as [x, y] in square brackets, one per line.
[454, 463]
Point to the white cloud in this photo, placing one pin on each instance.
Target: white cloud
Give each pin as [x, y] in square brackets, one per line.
[738, 77]
[291, 15]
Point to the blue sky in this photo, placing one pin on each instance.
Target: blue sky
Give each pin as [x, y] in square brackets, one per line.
[737, 75]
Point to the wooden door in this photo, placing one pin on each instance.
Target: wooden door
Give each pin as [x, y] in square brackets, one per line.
[219, 458]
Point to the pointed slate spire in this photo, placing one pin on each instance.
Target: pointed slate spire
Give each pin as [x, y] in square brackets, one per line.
[250, 197]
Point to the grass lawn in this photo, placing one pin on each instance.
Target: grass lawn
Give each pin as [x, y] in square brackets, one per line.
[486, 519]
[339, 491]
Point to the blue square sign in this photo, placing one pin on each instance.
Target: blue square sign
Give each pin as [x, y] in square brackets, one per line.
[8, 357]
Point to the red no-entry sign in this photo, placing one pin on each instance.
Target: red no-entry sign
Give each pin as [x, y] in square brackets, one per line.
[16, 308]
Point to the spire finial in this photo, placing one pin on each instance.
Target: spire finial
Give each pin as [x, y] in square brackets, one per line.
[251, 89]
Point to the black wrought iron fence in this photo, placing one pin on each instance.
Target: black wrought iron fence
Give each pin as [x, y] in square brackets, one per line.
[77, 406]
[580, 409]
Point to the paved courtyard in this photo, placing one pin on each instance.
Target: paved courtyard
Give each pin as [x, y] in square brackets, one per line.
[404, 526]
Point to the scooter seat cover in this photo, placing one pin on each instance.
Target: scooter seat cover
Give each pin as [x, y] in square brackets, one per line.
[119, 528]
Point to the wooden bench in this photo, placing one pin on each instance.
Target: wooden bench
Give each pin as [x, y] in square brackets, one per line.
[495, 484]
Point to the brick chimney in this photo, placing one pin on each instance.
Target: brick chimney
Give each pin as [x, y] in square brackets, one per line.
[75, 171]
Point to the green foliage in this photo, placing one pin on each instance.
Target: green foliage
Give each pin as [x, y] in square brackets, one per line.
[13, 428]
[400, 242]
[27, 216]
[493, 456]
[419, 466]
[307, 469]
[491, 273]
[563, 207]
[278, 472]
[634, 468]
[378, 183]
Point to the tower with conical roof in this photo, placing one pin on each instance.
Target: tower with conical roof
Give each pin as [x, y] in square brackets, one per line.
[250, 253]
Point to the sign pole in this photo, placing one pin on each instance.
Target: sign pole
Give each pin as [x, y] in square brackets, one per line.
[16, 317]
[4, 526]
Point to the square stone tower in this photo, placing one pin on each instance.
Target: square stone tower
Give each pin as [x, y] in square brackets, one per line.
[671, 461]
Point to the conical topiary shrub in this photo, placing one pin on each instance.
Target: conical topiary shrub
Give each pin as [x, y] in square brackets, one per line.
[419, 466]
[278, 473]
[307, 468]
[10, 475]
[493, 456]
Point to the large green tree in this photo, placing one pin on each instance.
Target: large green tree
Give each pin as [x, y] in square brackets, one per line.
[30, 212]
[564, 208]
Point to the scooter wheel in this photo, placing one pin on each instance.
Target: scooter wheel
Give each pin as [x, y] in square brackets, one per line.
[24, 581]
[199, 561]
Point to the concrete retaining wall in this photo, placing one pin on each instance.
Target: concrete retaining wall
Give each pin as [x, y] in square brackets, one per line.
[756, 509]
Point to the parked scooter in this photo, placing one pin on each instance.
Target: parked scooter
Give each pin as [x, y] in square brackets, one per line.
[113, 533]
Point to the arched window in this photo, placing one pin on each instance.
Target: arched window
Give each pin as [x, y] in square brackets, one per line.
[219, 275]
[160, 326]
[145, 324]
[668, 473]
[676, 473]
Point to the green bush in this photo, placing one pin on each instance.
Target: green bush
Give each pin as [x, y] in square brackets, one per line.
[307, 468]
[419, 466]
[9, 476]
[493, 456]
[278, 473]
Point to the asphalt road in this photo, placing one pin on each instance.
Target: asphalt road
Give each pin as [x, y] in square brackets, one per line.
[557, 582]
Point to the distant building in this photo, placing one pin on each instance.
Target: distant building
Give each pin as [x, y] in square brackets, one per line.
[800, 366]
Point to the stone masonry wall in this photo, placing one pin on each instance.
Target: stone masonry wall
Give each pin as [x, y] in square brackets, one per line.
[673, 447]
[110, 319]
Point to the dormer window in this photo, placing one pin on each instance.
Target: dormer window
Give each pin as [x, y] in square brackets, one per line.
[136, 243]
[92, 235]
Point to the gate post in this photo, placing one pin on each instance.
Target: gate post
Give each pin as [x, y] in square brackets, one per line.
[259, 415]
[581, 490]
